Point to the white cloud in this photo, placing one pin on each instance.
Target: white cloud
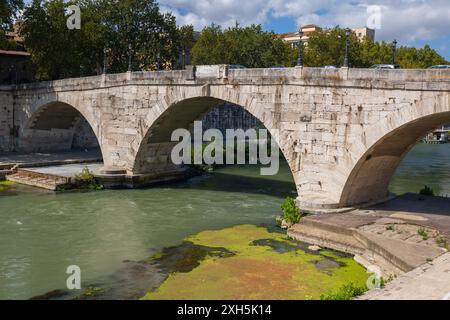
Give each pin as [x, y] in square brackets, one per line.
[406, 20]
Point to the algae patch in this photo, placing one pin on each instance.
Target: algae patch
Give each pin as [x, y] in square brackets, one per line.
[250, 262]
[4, 185]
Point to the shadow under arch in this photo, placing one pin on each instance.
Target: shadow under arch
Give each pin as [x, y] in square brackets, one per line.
[58, 126]
[370, 178]
[182, 114]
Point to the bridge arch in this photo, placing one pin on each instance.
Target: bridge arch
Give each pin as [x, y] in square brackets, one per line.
[55, 125]
[384, 145]
[180, 111]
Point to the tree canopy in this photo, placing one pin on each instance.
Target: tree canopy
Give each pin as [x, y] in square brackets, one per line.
[249, 46]
[327, 47]
[114, 25]
[8, 12]
[119, 29]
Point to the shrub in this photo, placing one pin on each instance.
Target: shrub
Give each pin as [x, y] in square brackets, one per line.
[442, 242]
[423, 233]
[291, 214]
[346, 292]
[87, 180]
[426, 191]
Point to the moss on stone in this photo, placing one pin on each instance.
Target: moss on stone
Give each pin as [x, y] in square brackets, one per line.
[258, 272]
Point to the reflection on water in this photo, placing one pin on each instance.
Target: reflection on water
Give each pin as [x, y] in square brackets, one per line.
[426, 164]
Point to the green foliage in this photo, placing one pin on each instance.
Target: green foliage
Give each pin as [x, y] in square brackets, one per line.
[249, 46]
[59, 52]
[327, 47]
[442, 242]
[291, 214]
[346, 292]
[427, 191]
[423, 233]
[8, 12]
[87, 180]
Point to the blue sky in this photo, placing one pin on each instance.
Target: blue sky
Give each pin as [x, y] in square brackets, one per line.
[411, 22]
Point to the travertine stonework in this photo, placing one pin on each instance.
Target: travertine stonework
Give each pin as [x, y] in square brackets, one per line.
[343, 132]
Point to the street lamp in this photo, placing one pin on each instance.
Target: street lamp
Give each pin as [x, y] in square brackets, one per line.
[183, 58]
[158, 61]
[300, 49]
[130, 48]
[347, 48]
[105, 59]
[13, 75]
[394, 50]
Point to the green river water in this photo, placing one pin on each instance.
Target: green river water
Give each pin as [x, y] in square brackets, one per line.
[42, 233]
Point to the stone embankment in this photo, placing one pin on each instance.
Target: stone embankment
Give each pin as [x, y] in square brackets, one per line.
[396, 237]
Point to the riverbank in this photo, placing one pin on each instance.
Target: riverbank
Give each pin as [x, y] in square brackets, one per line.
[427, 282]
[394, 237]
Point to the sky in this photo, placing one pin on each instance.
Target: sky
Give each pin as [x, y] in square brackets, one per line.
[410, 22]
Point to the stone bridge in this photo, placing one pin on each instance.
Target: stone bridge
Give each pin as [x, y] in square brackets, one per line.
[343, 132]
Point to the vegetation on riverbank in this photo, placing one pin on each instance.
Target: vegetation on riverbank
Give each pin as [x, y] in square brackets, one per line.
[86, 180]
[346, 292]
[4, 185]
[426, 191]
[260, 264]
[291, 214]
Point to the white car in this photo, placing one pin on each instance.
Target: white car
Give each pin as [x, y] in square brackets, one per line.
[442, 66]
[385, 66]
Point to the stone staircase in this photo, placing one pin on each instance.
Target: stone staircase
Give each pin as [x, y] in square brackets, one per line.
[391, 256]
[7, 169]
[40, 180]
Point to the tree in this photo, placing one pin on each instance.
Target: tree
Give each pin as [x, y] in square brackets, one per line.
[249, 46]
[9, 10]
[327, 47]
[56, 51]
[115, 25]
[153, 36]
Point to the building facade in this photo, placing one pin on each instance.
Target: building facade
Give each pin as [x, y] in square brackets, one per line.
[15, 64]
[293, 38]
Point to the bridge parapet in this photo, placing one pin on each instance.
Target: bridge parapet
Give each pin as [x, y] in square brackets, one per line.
[404, 79]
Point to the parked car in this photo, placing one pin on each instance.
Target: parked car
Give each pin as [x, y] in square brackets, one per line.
[237, 66]
[442, 66]
[329, 67]
[385, 66]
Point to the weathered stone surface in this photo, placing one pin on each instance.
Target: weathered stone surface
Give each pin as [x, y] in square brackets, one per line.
[343, 132]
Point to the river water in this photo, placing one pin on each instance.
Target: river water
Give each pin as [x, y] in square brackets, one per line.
[42, 233]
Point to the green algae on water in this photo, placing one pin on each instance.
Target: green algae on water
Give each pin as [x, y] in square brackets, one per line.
[257, 264]
[4, 185]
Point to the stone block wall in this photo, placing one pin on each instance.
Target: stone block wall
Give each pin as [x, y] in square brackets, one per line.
[230, 116]
[6, 121]
[84, 137]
